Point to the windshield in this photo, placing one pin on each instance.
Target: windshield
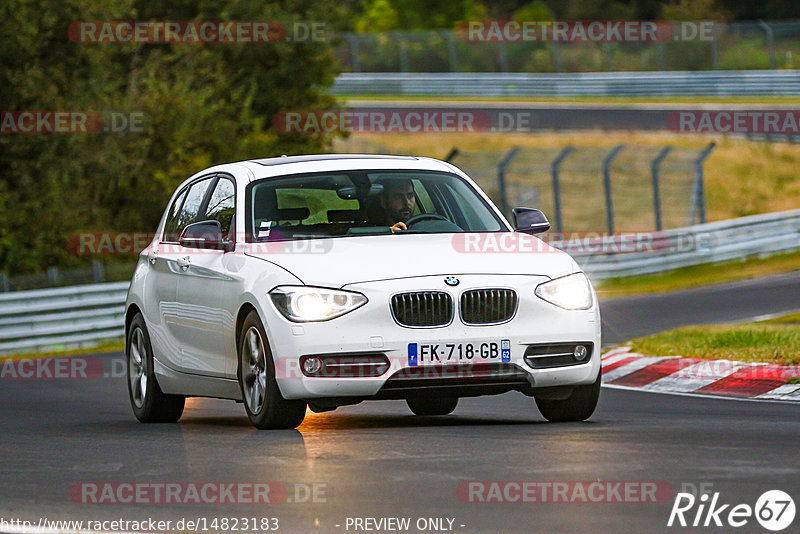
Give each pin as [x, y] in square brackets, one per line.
[349, 203]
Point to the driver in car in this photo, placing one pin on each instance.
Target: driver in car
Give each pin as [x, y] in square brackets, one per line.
[398, 201]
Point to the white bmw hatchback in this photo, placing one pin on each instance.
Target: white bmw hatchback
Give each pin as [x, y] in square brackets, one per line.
[321, 281]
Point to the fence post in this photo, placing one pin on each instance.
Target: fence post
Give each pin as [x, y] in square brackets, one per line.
[52, 275]
[352, 39]
[654, 168]
[403, 51]
[699, 194]
[452, 56]
[714, 46]
[450, 155]
[554, 169]
[556, 56]
[501, 178]
[4, 283]
[661, 53]
[98, 272]
[501, 56]
[607, 186]
[770, 43]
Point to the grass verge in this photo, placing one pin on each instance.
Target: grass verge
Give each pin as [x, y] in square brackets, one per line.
[107, 346]
[699, 275]
[775, 341]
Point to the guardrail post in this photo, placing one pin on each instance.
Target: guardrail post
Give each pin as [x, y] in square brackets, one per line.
[501, 178]
[52, 275]
[352, 39]
[98, 272]
[660, 48]
[4, 283]
[698, 205]
[607, 186]
[770, 43]
[555, 167]
[654, 168]
[450, 155]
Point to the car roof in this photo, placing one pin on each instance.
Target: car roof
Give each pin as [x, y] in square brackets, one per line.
[284, 165]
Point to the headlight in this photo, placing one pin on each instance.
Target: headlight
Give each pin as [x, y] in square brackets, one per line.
[303, 304]
[572, 292]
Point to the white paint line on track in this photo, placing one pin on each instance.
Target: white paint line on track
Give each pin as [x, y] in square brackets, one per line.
[634, 366]
[701, 395]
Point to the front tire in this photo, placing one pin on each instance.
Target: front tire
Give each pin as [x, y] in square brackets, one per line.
[266, 408]
[579, 406]
[149, 403]
[432, 406]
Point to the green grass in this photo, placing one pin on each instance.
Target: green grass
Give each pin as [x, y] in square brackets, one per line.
[775, 341]
[699, 275]
[106, 346]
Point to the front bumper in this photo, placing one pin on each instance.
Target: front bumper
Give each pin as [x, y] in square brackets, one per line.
[372, 329]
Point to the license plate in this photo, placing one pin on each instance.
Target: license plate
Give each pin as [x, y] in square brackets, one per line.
[443, 353]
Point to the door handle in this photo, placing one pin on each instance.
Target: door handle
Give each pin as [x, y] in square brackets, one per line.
[184, 262]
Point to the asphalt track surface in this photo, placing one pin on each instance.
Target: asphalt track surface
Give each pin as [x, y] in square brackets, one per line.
[376, 460]
[506, 117]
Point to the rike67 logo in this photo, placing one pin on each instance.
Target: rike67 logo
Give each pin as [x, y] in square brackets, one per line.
[774, 510]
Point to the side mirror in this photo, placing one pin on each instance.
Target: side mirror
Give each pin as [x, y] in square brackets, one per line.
[530, 221]
[205, 235]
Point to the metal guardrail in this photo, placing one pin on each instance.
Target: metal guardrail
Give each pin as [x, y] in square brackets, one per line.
[67, 317]
[713, 242]
[52, 319]
[653, 83]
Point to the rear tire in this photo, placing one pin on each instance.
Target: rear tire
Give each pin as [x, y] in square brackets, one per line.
[432, 406]
[577, 407]
[266, 408]
[149, 403]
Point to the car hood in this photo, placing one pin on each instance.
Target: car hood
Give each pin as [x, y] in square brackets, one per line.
[337, 262]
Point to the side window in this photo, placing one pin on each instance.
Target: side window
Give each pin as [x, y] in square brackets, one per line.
[192, 204]
[222, 205]
[171, 226]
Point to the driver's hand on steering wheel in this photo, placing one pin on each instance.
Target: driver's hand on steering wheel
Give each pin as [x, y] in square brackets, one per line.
[399, 227]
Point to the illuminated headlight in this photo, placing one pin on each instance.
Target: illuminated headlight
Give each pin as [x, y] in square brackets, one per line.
[303, 304]
[571, 292]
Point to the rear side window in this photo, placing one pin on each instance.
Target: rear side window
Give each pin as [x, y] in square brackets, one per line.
[191, 207]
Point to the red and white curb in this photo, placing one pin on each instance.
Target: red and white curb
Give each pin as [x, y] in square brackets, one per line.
[674, 374]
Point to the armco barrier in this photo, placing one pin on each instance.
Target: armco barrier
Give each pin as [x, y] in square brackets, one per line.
[652, 83]
[59, 318]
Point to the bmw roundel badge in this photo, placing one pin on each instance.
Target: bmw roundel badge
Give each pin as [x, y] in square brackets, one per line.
[451, 281]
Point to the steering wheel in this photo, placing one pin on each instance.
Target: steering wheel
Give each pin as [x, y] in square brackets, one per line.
[424, 217]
